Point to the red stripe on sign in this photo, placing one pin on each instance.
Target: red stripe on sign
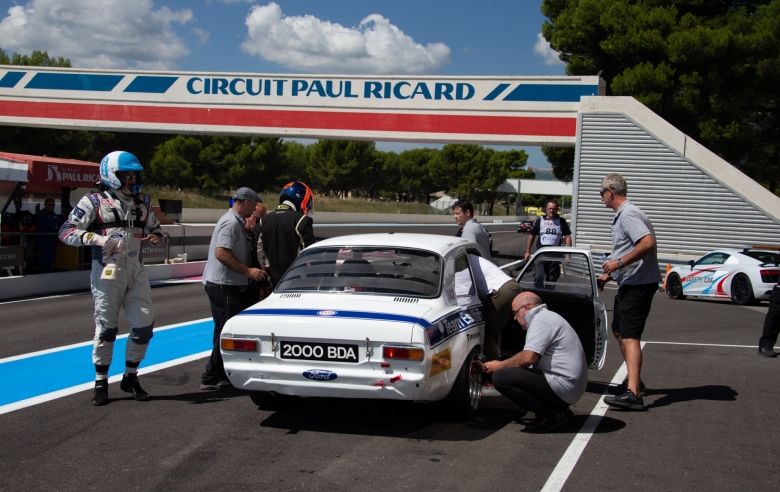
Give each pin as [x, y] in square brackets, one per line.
[274, 118]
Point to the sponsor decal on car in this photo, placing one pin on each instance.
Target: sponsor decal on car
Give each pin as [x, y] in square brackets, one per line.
[320, 375]
[327, 313]
[447, 327]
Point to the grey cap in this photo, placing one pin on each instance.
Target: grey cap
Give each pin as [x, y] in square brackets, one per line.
[245, 193]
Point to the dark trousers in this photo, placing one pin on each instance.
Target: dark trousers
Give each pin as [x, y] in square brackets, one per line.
[772, 320]
[529, 389]
[498, 312]
[225, 303]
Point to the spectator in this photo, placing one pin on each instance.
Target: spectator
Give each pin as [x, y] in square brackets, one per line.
[255, 291]
[46, 221]
[771, 325]
[286, 230]
[635, 265]
[550, 230]
[226, 276]
[463, 212]
[550, 373]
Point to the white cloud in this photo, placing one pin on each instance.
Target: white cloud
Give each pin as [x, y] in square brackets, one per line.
[543, 49]
[203, 36]
[307, 43]
[97, 33]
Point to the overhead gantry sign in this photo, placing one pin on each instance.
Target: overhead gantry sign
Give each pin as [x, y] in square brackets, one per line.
[490, 110]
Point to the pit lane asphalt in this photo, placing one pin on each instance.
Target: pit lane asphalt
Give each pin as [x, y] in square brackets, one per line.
[710, 423]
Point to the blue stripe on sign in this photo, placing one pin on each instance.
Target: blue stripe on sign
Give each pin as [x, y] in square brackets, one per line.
[151, 85]
[551, 92]
[337, 314]
[10, 79]
[40, 374]
[496, 92]
[74, 82]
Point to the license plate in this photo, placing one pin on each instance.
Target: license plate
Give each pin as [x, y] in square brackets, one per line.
[331, 352]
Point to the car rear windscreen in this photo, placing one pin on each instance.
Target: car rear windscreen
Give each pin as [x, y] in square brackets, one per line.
[764, 256]
[372, 270]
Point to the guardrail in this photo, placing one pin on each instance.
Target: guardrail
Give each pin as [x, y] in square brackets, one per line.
[22, 256]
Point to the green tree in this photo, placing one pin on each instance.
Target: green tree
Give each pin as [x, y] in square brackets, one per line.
[342, 165]
[711, 68]
[415, 173]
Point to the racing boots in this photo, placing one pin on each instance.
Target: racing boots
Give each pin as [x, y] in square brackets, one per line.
[130, 384]
[100, 396]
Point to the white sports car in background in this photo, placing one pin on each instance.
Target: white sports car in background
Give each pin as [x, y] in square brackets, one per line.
[746, 275]
[384, 316]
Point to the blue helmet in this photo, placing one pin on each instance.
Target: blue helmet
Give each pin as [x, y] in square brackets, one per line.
[117, 162]
[299, 195]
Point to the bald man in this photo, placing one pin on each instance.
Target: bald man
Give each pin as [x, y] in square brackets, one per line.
[550, 373]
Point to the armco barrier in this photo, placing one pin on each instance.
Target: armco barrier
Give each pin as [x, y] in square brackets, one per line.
[56, 283]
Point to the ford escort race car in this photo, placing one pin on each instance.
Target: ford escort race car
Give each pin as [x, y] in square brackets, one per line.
[745, 275]
[384, 316]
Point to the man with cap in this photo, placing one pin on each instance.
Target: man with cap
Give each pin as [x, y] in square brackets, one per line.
[226, 276]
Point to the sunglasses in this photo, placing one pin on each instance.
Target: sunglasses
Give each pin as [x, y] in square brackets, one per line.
[604, 191]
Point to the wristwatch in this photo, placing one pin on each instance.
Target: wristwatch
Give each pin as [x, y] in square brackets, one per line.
[620, 262]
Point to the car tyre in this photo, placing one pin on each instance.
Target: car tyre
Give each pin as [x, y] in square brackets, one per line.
[742, 291]
[463, 401]
[674, 288]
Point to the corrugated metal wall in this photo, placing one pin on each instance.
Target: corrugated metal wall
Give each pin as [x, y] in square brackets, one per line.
[691, 212]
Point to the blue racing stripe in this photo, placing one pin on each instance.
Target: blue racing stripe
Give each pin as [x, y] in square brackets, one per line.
[336, 314]
[496, 92]
[74, 82]
[10, 79]
[551, 92]
[37, 375]
[151, 85]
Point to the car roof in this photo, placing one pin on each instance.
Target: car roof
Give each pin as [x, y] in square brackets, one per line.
[430, 242]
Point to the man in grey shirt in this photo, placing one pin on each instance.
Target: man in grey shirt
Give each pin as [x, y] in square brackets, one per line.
[463, 212]
[550, 373]
[226, 276]
[634, 265]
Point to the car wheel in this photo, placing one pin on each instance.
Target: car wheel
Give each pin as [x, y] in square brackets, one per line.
[463, 400]
[674, 287]
[742, 291]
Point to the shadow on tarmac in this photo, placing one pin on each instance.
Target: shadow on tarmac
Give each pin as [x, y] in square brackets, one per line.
[711, 392]
[198, 398]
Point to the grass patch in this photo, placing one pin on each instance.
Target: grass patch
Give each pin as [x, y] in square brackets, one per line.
[195, 199]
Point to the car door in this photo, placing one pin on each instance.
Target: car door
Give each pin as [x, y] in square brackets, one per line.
[704, 273]
[565, 279]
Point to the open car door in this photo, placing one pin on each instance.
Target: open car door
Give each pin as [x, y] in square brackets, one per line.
[565, 280]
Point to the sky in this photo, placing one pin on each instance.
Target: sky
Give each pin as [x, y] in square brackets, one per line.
[436, 37]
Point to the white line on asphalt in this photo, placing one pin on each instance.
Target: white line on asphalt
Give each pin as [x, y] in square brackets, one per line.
[46, 298]
[705, 344]
[83, 344]
[565, 466]
[87, 386]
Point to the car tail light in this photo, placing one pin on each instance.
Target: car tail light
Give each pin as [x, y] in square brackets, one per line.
[769, 276]
[239, 344]
[402, 353]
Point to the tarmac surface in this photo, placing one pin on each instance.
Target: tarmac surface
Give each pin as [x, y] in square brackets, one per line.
[710, 423]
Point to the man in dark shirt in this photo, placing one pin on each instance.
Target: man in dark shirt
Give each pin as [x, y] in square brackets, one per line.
[550, 230]
[286, 230]
[46, 221]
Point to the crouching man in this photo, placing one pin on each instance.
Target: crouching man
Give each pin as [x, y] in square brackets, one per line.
[550, 373]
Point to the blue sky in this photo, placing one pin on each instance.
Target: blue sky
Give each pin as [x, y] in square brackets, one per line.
[449, 37]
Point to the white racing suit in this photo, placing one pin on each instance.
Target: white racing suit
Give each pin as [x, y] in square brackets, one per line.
[125, 220]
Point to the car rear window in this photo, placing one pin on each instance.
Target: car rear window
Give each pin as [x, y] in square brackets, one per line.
[764, 256]
[371, 270]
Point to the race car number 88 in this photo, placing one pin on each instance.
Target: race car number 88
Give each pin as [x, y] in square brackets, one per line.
[322, 351]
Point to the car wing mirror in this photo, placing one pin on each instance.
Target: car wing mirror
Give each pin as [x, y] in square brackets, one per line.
[691, 262]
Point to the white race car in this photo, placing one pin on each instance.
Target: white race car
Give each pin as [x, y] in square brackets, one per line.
[385, 316]
[746, 275]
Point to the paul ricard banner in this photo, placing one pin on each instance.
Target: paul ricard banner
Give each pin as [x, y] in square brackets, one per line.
[497, 110]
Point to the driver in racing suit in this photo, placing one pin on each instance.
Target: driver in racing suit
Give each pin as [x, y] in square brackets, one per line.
[115, 221]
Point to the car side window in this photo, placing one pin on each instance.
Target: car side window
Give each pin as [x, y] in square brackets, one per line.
[464, 283]
[713, 259]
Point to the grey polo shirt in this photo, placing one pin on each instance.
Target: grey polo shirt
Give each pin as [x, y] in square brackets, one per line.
[563, 359]
[474, 231]
[229, 233]
[630, 225]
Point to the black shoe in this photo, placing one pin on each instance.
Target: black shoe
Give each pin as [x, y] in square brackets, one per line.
[627, 400]
[221, 385]
[767, 352]
[100, 396]
[130, 384]
[622, 387]
[547, 423]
